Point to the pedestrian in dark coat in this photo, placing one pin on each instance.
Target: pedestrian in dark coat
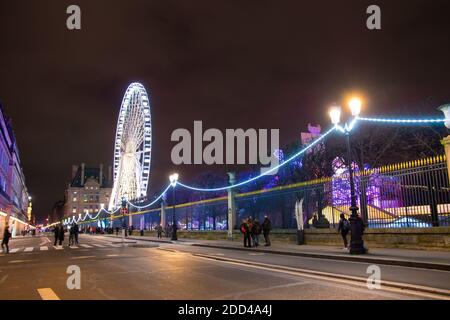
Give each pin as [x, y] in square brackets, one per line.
[76, 231]
[344, 228]
[5, 242]
[256, 231]
[56, 233]
[61, 235]
[159, 231]
[71, 235]
[266, 227]
[245, 229]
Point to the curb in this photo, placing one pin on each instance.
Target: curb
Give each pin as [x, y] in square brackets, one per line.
[402, 263]
[364, 259]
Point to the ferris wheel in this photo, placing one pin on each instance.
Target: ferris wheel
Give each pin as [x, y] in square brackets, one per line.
[133, 146]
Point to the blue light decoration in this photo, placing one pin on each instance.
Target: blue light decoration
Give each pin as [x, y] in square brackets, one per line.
[153, 202]
[268, 172]
[413, 121]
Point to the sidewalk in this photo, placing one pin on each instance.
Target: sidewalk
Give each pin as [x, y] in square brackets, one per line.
[425, 259]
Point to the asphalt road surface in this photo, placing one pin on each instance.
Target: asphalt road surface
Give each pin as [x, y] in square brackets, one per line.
[35, 269]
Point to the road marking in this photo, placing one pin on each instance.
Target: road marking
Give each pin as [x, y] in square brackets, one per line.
[98, 245]
[82, 257]
[219, 254]
[85, 246]
[18, 261]
[113, 255]
[47, 294]
[13, 250]
[28, 249]
[44, 248]
[58, 247]
[73, 247]
[3, 279]
[256, 254]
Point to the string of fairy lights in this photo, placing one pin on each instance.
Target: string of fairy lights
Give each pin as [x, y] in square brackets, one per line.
[336, 127]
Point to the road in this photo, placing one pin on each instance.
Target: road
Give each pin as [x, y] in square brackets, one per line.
[35, 269]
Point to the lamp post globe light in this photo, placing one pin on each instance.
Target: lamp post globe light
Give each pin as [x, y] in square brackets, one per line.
[356, 223]
[173, 178]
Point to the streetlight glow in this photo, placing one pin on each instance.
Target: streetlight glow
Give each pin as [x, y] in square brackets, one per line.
[173, 178]
[355, 106]
[335, 114]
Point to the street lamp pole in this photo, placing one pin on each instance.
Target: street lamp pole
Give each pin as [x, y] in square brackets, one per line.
[173, 181]
[356, 223]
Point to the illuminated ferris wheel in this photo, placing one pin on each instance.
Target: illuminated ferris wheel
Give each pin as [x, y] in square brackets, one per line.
[133, 146]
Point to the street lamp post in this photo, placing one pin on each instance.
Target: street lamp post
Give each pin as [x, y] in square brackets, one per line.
[124, 211]
[356, 223]
[173, 181]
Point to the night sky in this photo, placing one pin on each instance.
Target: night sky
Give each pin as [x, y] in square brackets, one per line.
[231, 64]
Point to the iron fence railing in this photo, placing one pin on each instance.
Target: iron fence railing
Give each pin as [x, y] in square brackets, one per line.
[410, 194]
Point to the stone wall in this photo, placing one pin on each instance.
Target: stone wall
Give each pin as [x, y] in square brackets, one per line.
[408, 238]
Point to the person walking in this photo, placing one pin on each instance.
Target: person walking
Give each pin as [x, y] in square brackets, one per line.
[71, 235]
[5, 242]
[56, 234]
[76, 230]
[245, 229]
[61, 235]
[159, 231]
[266, 228]
[344, 228]
[256, 231]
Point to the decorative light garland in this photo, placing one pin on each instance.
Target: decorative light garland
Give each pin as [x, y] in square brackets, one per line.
[347, 128]
[401, 120]
[265, 173]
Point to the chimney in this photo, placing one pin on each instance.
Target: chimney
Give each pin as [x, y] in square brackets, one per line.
[110, 174]
[74, 171]
[100, 178]
[82, 173]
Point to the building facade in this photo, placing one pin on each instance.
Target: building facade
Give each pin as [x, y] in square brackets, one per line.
[89, 190]
[14, 197]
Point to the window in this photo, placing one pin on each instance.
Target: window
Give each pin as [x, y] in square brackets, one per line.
[74, 199]
[74, 210]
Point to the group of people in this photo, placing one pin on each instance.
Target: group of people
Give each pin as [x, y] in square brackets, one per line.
[252, 229]
[59, 232]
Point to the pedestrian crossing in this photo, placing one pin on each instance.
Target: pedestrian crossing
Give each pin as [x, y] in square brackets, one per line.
[59, 248]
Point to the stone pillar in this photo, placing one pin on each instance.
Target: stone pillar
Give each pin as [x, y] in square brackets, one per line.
[446, 141]
[231, 206]
[163, 214]
[130, 218]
